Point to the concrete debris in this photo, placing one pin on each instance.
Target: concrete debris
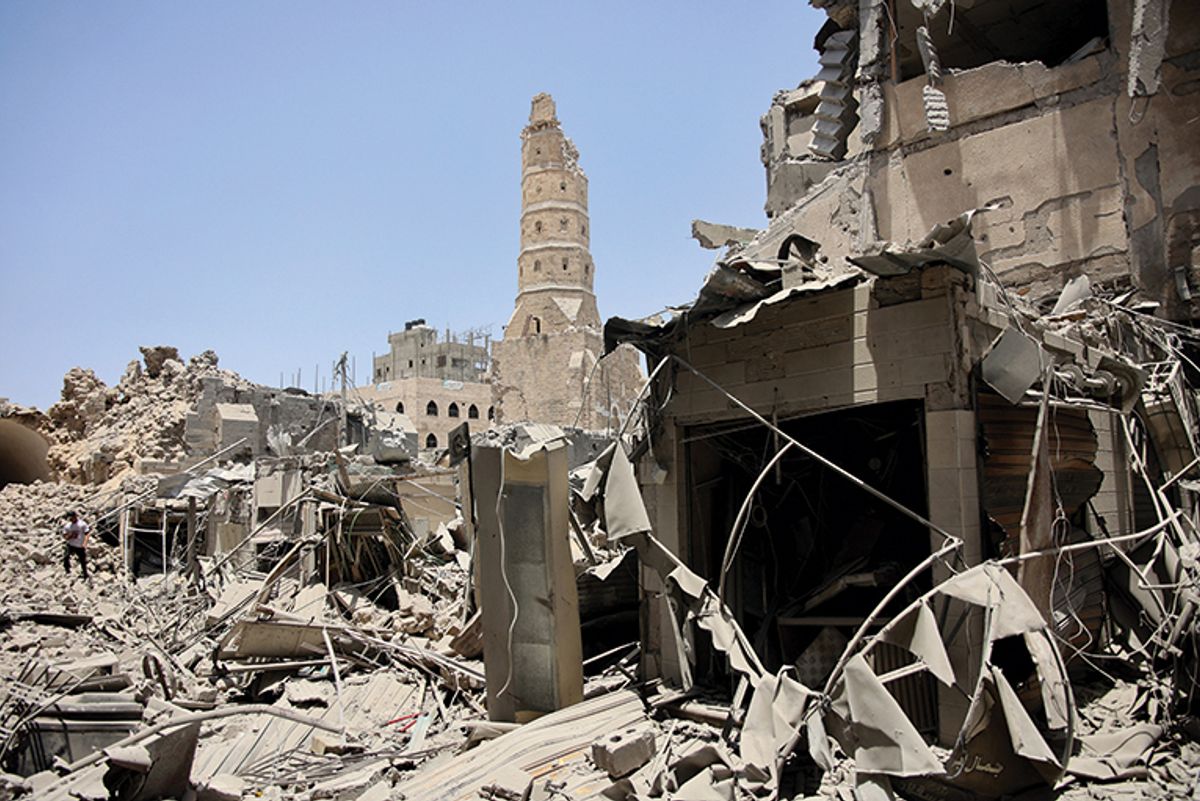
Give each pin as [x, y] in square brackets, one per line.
[906, 508]
[713, 236]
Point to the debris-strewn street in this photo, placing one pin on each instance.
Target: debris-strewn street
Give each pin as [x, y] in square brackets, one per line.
[905, 506]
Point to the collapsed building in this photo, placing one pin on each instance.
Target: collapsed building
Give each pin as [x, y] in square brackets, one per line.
[906, 507]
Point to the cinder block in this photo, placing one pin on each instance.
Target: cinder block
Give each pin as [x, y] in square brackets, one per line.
[623, 752]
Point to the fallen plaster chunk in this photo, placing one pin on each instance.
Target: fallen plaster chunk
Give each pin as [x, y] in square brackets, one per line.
[625, 751]
[714, 236]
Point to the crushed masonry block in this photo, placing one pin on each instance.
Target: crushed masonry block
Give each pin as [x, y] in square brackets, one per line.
[222, 787]
[625, 751]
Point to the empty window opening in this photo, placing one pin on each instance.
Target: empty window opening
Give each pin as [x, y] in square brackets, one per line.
[400, 407]
[562, 223]
[533, 325]
[431, 441]
[537, 226]
[491, 412]
[537, 266]
[452, 410]
[472, 412]
[565, 263]
[562, 185]
[1026, 30]
[431, 409]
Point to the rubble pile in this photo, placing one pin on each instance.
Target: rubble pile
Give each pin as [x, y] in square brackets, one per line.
[99, 431]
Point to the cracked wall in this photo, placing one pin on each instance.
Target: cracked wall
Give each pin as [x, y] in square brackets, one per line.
[1072, 173]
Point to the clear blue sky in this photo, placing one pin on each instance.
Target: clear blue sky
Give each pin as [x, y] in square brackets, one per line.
[282, 181]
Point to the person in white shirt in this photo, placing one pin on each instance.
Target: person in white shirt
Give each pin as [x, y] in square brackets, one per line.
[75, 535]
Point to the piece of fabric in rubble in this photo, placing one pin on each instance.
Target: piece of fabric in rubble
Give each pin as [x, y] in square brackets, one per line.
[1122, 754]
[628, 523]
[1026, 739]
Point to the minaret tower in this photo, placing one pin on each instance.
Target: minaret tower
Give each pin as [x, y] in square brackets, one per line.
[554, 265]
[547, 369]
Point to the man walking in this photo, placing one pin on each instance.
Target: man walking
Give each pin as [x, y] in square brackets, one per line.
[75, 534]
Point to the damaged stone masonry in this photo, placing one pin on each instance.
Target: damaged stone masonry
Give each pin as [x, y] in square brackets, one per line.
[907, 507]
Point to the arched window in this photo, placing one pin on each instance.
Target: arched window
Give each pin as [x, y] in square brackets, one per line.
[431, 409]
[491, 412]
[562, 185]
[565, 262]
[400, 407]
[452, 411]
[537, 226]
[562, 223]
[431, 441]
[472, 412]
[537, 266]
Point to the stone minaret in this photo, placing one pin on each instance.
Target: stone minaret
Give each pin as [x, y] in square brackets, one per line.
[554, 336]
[554, 267]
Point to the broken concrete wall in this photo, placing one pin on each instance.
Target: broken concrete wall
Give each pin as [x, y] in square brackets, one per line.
[1071, 173]
[285, 415]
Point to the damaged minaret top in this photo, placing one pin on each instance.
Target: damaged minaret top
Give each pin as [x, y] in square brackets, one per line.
[542, 370]
[554, 215]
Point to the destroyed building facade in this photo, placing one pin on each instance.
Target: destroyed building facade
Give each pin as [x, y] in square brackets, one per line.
[888, 522]
[548, 367]
[951, 348]
[1068, 125]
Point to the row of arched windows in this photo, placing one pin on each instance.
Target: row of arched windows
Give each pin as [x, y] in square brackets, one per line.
[431, 409]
